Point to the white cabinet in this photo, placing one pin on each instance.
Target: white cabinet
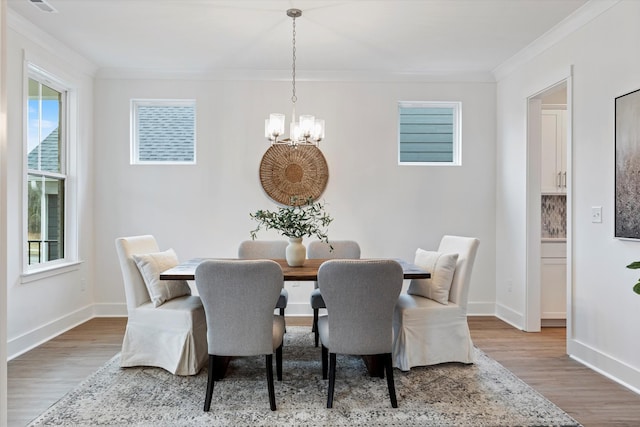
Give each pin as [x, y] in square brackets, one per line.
[554, 152]
[553, 278]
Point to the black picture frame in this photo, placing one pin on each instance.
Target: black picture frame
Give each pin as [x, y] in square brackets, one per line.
[627, 166]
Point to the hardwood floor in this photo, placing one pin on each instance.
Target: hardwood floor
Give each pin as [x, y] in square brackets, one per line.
[40, 377]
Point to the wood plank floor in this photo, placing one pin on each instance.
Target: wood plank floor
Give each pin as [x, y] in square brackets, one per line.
[40, 377]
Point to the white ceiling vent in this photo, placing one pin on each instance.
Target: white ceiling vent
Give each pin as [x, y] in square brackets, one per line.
[42, 5]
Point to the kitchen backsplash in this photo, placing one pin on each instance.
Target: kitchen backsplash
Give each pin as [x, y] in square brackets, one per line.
[554, 216]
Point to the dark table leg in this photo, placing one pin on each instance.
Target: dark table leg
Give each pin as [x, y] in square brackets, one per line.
[375, 365]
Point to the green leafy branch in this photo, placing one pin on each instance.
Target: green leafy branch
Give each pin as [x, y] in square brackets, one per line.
[634, 266]
[299, 220]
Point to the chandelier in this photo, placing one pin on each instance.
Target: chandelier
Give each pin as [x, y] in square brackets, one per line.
[307, 130]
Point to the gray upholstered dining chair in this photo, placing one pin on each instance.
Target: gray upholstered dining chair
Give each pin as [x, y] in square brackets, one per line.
[335, 249]
[266, 249]
[360, 296]
[238, 298]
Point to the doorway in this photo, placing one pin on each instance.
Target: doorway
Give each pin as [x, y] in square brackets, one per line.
[548, 291]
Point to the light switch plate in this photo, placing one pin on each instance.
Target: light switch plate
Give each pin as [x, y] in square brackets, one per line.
[596, 214]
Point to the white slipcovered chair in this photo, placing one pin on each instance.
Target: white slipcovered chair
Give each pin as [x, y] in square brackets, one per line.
[360, 296]
[266, 249]
[169, 331]
[238, 299]
[430, 320]
[335, 249]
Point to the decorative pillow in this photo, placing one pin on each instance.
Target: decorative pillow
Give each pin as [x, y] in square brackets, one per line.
[441, 266]
[150, 266]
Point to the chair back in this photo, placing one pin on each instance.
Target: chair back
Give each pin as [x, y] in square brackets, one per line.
[135, 290]
[262, 249]
[466, 248]
[344, 249]
[360, 296]
[238, 298]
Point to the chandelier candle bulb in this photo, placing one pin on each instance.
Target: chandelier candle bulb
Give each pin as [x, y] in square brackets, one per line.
[307, 125]
[274, 126]
[318, 132]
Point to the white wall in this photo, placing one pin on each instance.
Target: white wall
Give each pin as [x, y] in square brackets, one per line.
[203, 210]
[42, 308]
[3, 216]
[605, 310]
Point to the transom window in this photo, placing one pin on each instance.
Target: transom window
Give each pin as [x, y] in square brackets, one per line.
[429, 133]
[46, 170]
[163, 131]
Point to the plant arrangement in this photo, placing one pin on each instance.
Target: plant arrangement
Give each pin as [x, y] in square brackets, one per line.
[634, 266]
[299, 220]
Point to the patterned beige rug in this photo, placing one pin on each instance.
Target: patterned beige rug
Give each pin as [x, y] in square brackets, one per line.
[483, 394]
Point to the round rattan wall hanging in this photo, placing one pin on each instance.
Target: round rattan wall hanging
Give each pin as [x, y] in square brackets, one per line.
[287, 172]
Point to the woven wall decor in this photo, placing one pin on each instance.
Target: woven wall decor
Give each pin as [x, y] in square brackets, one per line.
[287, 172]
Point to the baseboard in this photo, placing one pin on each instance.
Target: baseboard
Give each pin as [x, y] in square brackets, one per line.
[32, 339]
[606, 365]
[510, 316]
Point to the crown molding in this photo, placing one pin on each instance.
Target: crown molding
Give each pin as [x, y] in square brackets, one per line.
[301, 75]
[581, 17]
[28, 30]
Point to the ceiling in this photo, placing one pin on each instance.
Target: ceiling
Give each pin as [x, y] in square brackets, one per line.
[375, 37]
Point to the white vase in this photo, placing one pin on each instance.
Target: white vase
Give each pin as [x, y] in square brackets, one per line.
[296, 252]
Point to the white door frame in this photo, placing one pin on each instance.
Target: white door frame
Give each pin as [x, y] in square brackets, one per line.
[532, 308]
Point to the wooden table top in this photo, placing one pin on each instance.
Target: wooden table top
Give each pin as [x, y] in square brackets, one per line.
[309, 271]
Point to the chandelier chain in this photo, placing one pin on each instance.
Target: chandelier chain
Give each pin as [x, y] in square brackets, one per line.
[294, 98]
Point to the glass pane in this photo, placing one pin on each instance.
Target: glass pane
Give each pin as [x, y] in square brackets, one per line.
[426, 134]
[43, 132]
[166, 133]
[45, 219]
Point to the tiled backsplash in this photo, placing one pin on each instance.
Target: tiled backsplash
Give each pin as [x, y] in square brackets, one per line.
[554, 216]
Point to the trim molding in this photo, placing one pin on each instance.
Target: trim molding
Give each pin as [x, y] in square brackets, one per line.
[42, 334]
[604, 364]
[439, 76]
[570, 24]
[31, 32]
[510, 316]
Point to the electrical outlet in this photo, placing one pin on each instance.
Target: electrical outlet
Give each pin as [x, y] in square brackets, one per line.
[83, 284]
[596, 214]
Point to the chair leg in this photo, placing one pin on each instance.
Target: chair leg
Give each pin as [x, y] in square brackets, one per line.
[210, 383]
[315, 325]
[325, 357]
[332, 379]
[388, 366]
[279, 362]
[282, 314]
[272, 393]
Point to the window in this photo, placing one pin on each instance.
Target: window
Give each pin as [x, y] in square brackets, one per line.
[429, 133]
[46, 178]
[163, 131]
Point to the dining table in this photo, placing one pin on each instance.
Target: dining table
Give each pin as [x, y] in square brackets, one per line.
[307, 272]
[186, 270]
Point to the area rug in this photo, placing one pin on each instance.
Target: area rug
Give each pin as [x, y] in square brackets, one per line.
[482, 394]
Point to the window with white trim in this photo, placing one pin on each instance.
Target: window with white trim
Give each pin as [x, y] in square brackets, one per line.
[163, 131]
[47, 169]
[429, 133]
